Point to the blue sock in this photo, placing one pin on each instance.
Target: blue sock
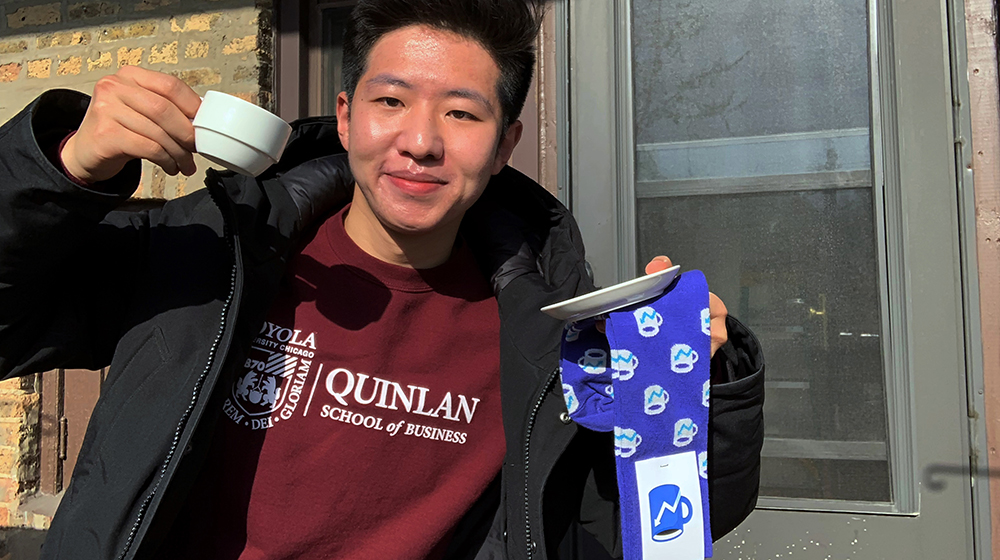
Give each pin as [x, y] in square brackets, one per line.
[647, 380]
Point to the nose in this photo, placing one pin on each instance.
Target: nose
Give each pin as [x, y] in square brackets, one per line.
[421, 137]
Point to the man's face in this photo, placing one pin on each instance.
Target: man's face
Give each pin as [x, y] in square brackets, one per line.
[423, 130]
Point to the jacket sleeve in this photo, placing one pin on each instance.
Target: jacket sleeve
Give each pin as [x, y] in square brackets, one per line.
[64, 274]
[736, 435]
[736, 428]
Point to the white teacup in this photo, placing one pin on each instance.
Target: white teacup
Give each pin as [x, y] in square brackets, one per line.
[706, 321]
[569, 395]
[656, 399]
[626, 441]
[239, 135]
[594, 361]
[684, 431]
[682, 358]
[648, 320]
[572, 333]
[623, 364]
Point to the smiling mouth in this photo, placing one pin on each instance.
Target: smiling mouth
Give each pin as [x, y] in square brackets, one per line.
[416, 184]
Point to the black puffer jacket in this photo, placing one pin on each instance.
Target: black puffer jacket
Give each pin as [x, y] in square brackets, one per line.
[171, 297]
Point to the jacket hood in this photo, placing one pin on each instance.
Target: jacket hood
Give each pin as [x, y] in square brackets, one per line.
[311, 138]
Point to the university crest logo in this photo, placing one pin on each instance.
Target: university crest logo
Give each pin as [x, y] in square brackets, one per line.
[258, 391]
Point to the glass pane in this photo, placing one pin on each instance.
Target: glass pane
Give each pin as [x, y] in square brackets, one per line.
[753, 164]
[332, 21]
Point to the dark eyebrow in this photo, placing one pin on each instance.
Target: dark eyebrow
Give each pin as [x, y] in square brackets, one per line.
[389, 80]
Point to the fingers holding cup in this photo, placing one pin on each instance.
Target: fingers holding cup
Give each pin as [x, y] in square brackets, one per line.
[134, 113]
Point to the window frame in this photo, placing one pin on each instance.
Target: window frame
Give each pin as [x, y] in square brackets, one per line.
[607, 191]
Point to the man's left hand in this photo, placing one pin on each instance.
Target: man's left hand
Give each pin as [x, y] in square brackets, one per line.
[716, 309]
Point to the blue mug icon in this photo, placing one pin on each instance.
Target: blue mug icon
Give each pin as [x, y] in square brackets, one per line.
[666, 512]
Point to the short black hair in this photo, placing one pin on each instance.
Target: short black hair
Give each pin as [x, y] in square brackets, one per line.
[506, 29]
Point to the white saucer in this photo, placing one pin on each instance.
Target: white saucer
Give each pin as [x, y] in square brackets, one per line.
[613, 297]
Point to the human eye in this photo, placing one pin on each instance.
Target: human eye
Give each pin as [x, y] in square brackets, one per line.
[463, 115]
[389, 102]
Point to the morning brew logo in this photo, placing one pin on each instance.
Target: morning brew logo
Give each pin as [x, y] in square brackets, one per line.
[670, 507]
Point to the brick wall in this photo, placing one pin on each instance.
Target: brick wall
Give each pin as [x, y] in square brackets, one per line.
[19, 449]
[224, 45]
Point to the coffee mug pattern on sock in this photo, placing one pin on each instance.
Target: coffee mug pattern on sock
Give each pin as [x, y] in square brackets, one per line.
[647, 381]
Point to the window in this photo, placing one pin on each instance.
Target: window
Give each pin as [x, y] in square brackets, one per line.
[739, 139]
[310, 49]
[752, 143]
[326, 49]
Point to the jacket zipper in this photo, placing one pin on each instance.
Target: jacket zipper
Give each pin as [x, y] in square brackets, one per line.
[527, 445]
[233, 245]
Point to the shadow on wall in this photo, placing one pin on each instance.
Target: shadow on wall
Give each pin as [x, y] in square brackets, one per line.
[936, 475]
[20, 544]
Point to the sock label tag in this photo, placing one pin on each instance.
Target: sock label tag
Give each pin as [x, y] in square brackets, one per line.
[670, 504]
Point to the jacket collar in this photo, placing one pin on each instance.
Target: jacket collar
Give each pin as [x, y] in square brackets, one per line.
[515, 228]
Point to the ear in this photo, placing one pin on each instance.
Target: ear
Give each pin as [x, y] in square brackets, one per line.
[343, 119]
[507, 145]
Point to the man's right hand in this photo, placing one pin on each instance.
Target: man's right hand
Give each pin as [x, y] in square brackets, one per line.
[134, 113]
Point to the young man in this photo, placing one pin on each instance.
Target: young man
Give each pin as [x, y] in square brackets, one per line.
[343, 358]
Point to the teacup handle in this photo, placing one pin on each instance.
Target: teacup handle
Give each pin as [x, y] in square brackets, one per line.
[690, 510]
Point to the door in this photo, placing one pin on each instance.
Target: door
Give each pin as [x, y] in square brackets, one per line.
[68, 399]
[800, 154]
